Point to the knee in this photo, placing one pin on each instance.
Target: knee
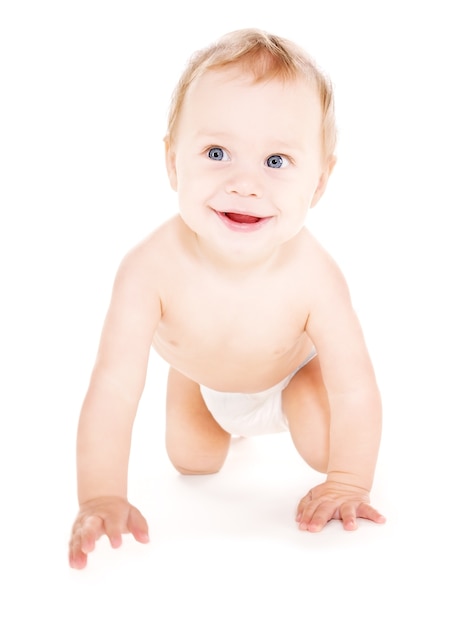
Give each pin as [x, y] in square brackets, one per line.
[196, 471]
[317, 463]
[195, 464]
[313, 451]
[199, 455]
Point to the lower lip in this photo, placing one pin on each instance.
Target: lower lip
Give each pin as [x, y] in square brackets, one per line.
[242, 227]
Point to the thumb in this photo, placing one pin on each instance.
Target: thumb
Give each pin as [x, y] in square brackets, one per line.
[137, 525]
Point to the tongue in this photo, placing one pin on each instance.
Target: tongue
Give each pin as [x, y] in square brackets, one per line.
[242, 219]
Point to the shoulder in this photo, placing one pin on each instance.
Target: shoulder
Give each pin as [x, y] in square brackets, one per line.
[323, 287]
[141, 265]
[318, 264]
[151, 251]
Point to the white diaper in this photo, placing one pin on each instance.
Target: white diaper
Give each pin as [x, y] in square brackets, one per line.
[249, 414]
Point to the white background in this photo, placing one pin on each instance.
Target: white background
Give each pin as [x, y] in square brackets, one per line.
[84, 92]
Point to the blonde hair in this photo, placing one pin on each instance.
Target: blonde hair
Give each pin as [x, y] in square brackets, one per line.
[267, 57]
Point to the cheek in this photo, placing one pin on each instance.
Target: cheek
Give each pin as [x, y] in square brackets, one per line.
[298, 195]
[191, 173]
[308, 188]
[194, 187]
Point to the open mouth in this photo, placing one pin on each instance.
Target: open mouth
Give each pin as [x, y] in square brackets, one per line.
[242, 222]
[239, 218]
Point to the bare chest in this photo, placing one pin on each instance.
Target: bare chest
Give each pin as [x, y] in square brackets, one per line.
[223, 331]
[239, 317]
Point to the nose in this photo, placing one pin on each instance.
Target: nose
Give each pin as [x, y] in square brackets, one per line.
[244, 182]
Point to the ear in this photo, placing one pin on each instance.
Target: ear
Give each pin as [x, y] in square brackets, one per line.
[323, 180]
[170, 159]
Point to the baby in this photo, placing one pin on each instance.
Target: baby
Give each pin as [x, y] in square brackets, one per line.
[251, 313]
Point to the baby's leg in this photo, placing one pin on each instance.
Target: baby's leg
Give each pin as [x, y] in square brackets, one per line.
[195, 442]
[305, 404]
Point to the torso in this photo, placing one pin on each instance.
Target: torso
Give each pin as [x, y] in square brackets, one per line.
[231, 333]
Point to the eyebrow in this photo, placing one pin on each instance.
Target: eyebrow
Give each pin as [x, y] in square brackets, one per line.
[282, 145]
[211, 133]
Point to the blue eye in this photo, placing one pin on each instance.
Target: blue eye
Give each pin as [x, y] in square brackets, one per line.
[277, 161]
[218, 154]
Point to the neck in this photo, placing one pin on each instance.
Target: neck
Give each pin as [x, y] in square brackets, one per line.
[238, 263]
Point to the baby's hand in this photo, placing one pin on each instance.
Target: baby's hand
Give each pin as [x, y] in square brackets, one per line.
[333, 500]
[111, 516]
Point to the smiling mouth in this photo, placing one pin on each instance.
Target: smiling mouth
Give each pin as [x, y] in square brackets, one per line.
[240, 218]
[242, 222]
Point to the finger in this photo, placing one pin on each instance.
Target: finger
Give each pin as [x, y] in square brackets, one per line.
[114, 532]
[314, 519]
[302, 505]
[348, 516]
[83, 538]
[366, 511]
[138, 526]
[306, 509]
[77, 558]
[91, 530]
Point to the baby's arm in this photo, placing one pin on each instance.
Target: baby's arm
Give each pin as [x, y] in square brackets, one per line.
[108, 412]
[355, 410]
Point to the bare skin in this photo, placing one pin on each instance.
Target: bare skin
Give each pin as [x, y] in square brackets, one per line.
[204, 285]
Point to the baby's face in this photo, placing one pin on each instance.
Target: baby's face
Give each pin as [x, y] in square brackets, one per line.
[246, 159]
